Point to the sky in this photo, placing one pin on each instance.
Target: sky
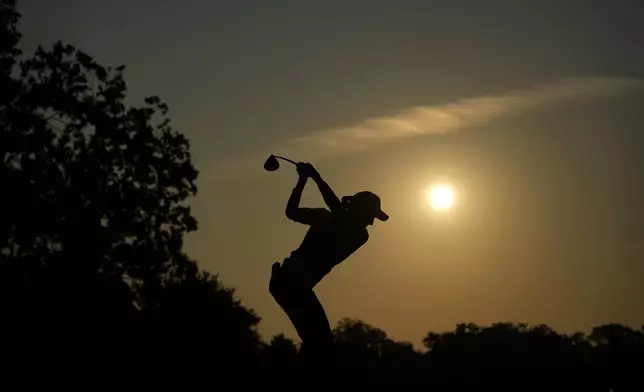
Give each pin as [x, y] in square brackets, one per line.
[532, 110]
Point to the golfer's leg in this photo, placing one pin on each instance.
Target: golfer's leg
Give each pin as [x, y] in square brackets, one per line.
[322, 327]
[319, 338]
[291, 300]
[279, 289]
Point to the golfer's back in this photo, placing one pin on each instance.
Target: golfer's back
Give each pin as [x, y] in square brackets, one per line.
[325, 245]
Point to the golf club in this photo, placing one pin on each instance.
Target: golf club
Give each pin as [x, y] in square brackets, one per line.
[273, 164]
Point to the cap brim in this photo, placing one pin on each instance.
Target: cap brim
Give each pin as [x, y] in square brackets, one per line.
[382, 216]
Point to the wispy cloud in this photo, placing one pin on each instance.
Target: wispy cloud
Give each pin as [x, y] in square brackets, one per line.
[450, 117]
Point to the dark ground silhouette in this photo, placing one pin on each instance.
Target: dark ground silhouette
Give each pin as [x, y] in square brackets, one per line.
[94, 282]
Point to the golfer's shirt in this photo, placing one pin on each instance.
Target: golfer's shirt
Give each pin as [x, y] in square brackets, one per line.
[325, 245]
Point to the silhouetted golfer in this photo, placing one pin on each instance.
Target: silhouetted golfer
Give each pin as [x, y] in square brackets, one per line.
[334, 234]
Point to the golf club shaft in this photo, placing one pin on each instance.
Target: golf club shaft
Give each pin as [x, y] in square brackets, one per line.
[286, 159]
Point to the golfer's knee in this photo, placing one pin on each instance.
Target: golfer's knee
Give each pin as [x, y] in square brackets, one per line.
[274, 285]
[271, 287]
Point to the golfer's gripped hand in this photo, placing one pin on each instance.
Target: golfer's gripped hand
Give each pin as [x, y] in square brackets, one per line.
[306, 170]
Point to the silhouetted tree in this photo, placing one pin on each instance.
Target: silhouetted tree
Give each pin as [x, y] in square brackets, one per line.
[359, 344]
[281, 352]
[93, 219]
[9, 38]
[362, 345]
[502, 345]
[93, 189]
[617, 356]
[206, 315]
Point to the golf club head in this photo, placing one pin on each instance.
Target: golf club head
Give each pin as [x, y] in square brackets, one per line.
[271, 163]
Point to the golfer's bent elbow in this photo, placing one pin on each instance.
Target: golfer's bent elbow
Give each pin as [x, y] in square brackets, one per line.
[290, 214]
[296, 214]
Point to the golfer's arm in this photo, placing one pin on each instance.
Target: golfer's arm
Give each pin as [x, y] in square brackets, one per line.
[330, 198]
[294, 200]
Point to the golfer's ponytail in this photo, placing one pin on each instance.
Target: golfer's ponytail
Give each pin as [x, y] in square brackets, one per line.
[346, 200]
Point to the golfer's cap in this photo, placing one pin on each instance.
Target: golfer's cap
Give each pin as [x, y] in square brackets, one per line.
[371, 202]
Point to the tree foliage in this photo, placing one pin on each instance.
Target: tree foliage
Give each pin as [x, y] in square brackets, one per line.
[93, 211]
[94, 186]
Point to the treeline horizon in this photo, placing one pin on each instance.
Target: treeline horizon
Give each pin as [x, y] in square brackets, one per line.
[92, 268]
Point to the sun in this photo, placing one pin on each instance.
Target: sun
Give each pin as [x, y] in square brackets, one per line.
[441, 197]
